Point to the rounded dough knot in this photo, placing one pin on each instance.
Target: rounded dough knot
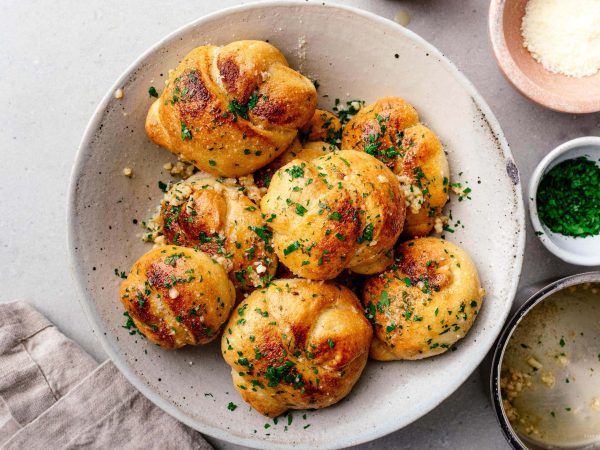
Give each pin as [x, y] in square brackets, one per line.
[341, 210]
[231, 110]
[177, 296]
[389, 129]
[216, 217]
[425, 303]
[297, 344]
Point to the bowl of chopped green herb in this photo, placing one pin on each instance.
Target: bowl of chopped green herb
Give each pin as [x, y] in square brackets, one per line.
[564, 201]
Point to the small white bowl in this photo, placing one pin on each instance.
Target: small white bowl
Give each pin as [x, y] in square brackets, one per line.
[575, 250]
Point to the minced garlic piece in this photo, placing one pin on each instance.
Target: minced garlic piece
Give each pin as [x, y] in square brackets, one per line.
[128, 172]
[514, 382]
[535, 363]
[119, 93]
[181, 169]
[562, 360]
[159, 241]
[412, 194]
[439, 223]
[548, 379]
[356, 105]
[178, 194]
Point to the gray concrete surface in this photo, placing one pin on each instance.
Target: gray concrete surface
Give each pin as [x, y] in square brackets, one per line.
[58, 58]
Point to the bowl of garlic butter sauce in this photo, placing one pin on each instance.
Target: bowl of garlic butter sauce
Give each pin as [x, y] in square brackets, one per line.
[545, 382]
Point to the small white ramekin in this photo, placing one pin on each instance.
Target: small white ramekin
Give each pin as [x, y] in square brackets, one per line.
[575, 250]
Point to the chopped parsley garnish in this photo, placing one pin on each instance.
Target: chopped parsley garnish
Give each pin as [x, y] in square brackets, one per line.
[171, 260]
[300, 210]
[262, 232]
[349, 111]
[162, 186]
[568, 198]
[152, 92]
[384, 301]
[232, 406]
[130, 325]
[120, 274]
[276, 375]
[237, 109]
[335, 216]
[291, 248]
[186, 134]
[295, 171]
[252, 101]
[367, 234]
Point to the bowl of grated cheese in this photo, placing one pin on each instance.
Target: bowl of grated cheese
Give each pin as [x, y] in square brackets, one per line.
[550, 51]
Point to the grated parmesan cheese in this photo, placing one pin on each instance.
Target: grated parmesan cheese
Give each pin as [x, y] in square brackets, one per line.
[563, 35]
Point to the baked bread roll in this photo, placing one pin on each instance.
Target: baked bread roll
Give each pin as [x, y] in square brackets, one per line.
[297, 344]
[389, 129]
[426, 303]
[177, 296]
[217, 218]
[342, 210]
[230, 110]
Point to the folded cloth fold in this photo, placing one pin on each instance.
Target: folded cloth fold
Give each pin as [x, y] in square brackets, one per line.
[54, 395]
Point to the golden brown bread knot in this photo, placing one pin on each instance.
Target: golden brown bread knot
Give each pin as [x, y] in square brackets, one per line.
[389, 129]
[342, 210]
[230, 110]
[177, 296]
[216, 217]
[426, 303]
[297, 344]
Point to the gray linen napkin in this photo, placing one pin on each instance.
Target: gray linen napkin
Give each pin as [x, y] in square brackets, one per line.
[54, 395]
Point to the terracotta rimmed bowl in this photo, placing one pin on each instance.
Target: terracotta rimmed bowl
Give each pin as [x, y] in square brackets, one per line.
[194, 384]
[554, 91]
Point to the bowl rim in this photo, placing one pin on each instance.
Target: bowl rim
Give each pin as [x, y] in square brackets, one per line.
[85, 299]
[536, 177]
[523, 84]
[500, 348]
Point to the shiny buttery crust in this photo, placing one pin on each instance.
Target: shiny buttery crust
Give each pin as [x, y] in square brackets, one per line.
[425, 304]
[177, 296]
[390, 130]
[297, 344]
[341, 210]
[230, 110]
[217, 218]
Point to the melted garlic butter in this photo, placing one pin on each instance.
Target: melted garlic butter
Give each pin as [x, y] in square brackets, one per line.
[550, 376]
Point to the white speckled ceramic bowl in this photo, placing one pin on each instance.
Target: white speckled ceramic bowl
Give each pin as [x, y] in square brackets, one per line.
[581, 251]
[353, 54]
